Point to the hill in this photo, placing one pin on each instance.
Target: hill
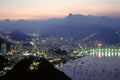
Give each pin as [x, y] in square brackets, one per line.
[20, 36]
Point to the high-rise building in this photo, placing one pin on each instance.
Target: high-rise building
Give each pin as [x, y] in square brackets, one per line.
[16, 47]
[3, 48]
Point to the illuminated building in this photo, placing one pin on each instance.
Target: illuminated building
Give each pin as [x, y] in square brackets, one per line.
[3, 48]
[99, 44]
[16, 47]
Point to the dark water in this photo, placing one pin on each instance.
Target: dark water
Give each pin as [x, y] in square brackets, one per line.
[99, 65]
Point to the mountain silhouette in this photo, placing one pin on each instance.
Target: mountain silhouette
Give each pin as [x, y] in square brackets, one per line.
[20, 36]
[74, 25]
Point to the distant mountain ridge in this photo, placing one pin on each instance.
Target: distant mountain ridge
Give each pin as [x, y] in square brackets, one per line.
[74, 25]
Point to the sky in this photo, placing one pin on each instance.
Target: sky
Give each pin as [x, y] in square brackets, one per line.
[45, 9]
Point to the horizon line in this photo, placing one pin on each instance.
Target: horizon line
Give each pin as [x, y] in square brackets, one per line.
[9, 19]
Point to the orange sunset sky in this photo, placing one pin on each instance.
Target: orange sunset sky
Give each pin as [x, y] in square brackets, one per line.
[45, 9]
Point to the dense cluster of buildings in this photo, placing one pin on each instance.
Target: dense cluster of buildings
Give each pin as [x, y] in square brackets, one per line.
[43, 46]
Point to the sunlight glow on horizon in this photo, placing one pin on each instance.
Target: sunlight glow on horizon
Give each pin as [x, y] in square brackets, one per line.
[45, 9]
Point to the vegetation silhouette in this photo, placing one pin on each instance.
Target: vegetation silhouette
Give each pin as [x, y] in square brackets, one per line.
[19, 71]
[3, 62]
[44, 71]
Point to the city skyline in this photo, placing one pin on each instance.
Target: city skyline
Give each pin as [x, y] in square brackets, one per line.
[45, 9]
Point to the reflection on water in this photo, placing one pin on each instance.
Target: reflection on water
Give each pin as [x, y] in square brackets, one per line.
[100, 53]
[105, 54]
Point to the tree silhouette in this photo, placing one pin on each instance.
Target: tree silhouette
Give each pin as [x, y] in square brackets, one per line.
[19, 71]
[3, 62]
[46, 71]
